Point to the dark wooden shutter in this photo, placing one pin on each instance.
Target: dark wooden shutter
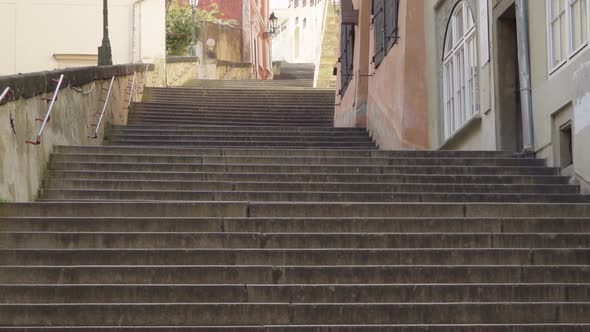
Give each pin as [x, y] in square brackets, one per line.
[391, 9]
[378, 31]
[346, 55]
[343, 58]
[350, 51]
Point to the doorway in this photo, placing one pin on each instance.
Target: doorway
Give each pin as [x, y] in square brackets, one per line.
[509, 115]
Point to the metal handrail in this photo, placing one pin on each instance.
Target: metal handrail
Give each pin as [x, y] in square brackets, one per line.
[5, 93]
[37, 140]
[131, 91]
[144, 80]
[104, 107]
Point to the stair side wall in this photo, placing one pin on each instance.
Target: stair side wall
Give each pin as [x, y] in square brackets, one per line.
[22, 166]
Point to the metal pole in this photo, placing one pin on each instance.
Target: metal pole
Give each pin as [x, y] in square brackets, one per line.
[525, 77]
[144, 79]
[105, 57]
[193, 49]
[53, 99]
[5, 93]
[131, 92]
[104, 107]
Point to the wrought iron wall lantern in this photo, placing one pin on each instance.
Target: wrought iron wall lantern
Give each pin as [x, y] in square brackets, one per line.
[273, 26]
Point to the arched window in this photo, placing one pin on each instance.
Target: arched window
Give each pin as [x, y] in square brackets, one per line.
[459, 70]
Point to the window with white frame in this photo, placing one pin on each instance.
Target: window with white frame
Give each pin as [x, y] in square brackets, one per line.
[567, 29]
[460, 70]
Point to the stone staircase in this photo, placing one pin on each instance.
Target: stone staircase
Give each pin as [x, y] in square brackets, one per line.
[299, 74]
[241, 209]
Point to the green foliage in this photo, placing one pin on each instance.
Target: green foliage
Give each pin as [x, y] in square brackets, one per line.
[179, 25]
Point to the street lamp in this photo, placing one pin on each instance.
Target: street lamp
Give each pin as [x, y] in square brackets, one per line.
[193, 47]
[105, 57]
[273, 25]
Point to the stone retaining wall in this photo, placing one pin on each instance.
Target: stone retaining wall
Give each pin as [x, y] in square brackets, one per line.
[77, 108]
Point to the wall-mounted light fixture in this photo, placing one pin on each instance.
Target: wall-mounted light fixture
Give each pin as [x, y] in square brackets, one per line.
[273, 25]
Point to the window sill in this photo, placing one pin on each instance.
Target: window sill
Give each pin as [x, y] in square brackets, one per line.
[471, 123]
[565, 62]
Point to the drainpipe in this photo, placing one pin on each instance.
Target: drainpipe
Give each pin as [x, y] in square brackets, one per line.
[522, 23]
[133, 30]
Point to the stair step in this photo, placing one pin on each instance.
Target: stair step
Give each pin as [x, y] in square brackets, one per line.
[320, 294]
[188, 240]
[294, 225]
[293, 209]
[74, 178]
[580, 327]
[283, 152]
[304, 196]
[282, 274]
[229, 185]
[293, 160]
[346, 145]
[296, 313]
[298, 256]
[303, 168]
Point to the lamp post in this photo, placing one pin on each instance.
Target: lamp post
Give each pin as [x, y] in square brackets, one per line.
[105, 57]
[193, 47]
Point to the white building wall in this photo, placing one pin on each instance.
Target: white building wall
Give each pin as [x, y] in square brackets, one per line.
[41, 35]
[284, 45]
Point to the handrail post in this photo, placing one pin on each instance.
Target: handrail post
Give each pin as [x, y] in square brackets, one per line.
[5, 93]
[131, 91]
[48, 115]
[104, 107]
[144, 80]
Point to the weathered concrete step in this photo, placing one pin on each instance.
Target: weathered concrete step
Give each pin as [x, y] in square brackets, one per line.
[298, 256]
[235, 113]
[292, 111]
[238, 116]
[290, 160]
[205, 240]
[249, 130]
[137, 117]
[346, 145]
[245, 119]
[242, 134]
[293, 209]
[304, 196]
[276, 86]
[296, 225]
[390, 293]
[196, 101]
[279, 152]
[252, 130]
[212, 122]
[57, 175]
[285, 313]
[213, 104]
[235, 137]
[266, 274]
[238, 92]
[577, 327]
[228, 185]
[304, 169]
[191, 100]
[241, 91]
